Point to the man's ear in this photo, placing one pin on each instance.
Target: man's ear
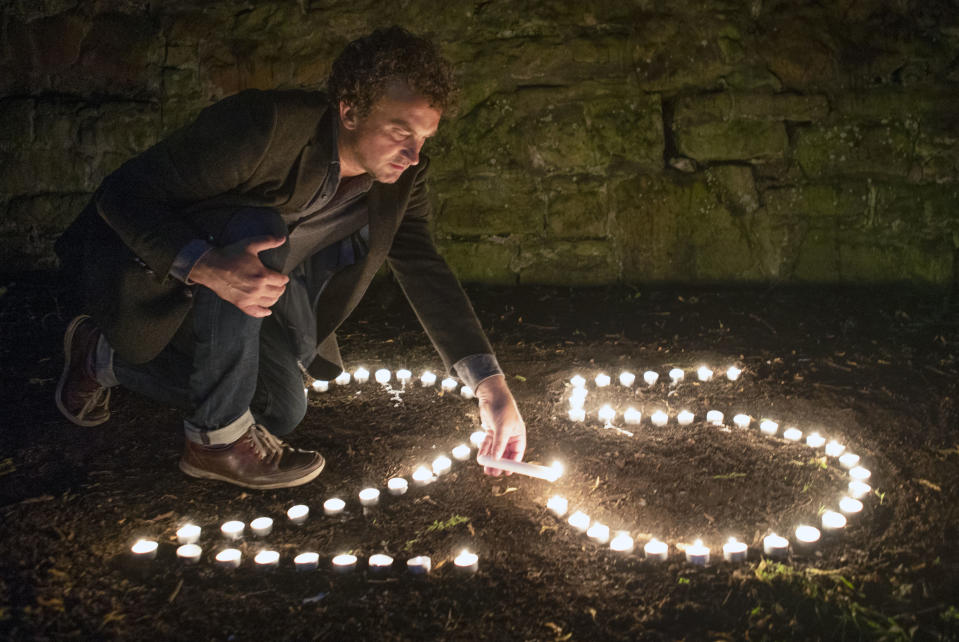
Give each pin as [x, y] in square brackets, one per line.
[348, 115]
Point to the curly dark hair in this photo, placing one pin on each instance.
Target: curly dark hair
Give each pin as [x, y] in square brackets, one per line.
[361, 72]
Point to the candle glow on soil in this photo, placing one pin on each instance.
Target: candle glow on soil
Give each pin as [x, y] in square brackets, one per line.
[676, 375]
[714, 417]
[659, 418]
[632, 416]
[602, 380]
[650, 377]
[267, 560]
[442, 465]
[422, 476]
[627, 379]
[344, 563]
[697, 553]
[704, 373]
[598, 532]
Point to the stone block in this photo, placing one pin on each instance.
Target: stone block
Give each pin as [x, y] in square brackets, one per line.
[738, 139]
[728, 105]
[884, 103]
[55, 125]
[577, 207]
[817, 201]
[816, 258]
[481, 205]
[124, 128]
[674, 52]
[16, 123]
[481, 261]
[36, 171]
[30, 226]
[853, 149]
[923, 263]
[567, 263]
[735, 186]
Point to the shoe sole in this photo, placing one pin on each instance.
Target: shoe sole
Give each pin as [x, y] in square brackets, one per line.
[67, 340]
[199, 473]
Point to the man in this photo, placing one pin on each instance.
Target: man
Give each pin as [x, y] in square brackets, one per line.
[220, 260]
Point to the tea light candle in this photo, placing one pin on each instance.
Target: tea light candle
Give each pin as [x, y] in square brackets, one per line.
[297, 514]
[188, 534]
[369, 497]
[656, 551]
[650, 377]
[858, 489]
[833, 521]
[361, 375]
[684, 418]
[577, 381]
[382, 376]
[775, 546]
[577, 400]
[859, 473]
[714, 417]
[742, 421]
[342, 379]
[477, 438]
[676, 375]
[598, 532]
[232, 529]
[189, 553]
[262, 526]
[792, 434]
[577, 414]
[308, 561]
[449, 384]
[403, 376]
[580, 521]
[704, 373]
[606, 414]
[848, 460]
[467, 393]
[834, 448]
[229, 558]
[734, 550]
[627, 379]
[549, 473]
[344, 563]
[807, 537]
[144, 549]
[427, 379]
[422, 476]
[333, 506]
[557, 505]
[321, 386]
[267, 560]
[768, 427]
[732, 373]
[466, 562]
[621, 543]
[697, 554]
[632, 416]
[380, 564]
[442, 465]
[850, 506]
[397, 486]
[419, 565]
[815, 440]
[461, 452]
[659, 418]
[602, 380]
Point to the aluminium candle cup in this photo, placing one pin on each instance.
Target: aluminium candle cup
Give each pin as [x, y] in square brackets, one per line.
[632, 417]
[448, 385]
[577, 381]
[775, 547]
[382, 376]
[807, 539]
[832, 522]
[467, 393]
[321, 386]
[732, 373]
[792, 434]
[849, 460]
[419, 565]
[188, 534]
[850, 506]
[229, 558]
[466, 562]
[477, 438]
[403, 376]
[835, 449]
[144, 549]
[768, 427]
[580, 521]
[859, 473]
[815, 440]
[577, 414]
[557, 505]
[308, 561]
[697, 554]
[267, 560]
[344, 563]
[262, 526]
[676, 375]
[598, 532]
[656, 551]
[189, 553]
[602, 380]
[232, 530]
[659, 418]
[714, 418]
[734, 550]
[342, 379]
[858, 489]
[297, 514]
[397, 486]
[742, 421]
[442, 465]
[380, 564]
[422, 476]
[333, 506]
[606, 414]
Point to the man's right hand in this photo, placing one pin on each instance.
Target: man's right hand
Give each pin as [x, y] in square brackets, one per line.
[236, 274]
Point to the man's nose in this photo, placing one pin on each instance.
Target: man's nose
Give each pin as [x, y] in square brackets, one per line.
[412, 152]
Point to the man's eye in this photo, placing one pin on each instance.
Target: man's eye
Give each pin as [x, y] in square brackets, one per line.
[399, 134]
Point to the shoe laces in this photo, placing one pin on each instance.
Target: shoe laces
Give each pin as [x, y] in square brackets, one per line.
[100, 396]
[267, 446]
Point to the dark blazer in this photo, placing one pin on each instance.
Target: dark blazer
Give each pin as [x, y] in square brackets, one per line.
[263, 149]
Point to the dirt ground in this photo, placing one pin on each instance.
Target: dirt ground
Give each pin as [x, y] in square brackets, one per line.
[874, 369]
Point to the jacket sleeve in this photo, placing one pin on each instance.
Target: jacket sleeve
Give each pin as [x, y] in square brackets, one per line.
[143, 200]
[436, 296]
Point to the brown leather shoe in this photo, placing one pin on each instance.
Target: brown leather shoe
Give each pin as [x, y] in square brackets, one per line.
[79, 397]
[255, 460]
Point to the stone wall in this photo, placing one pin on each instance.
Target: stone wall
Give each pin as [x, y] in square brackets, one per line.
[597, 141]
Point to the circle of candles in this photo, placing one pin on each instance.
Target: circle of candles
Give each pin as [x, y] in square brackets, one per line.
[632, 416]
[714, 417]
[188, 534]
[448, 385]
[397, 486]
[422, 476]
[833, 521]
[676, 375]
[775, 546]
[403, 376]
[650, 377]
[466, 562]
[344, 563]
[697, 553]
[704, 373]
[742, 421]
[834, 448]
[684, 418]
[807, 537]
[477, 438]
[659, 418]
[308, 561]
[627, 379]
[467, 393]
[577, 414]
[577, 397]
[858, 489]
[577, 381]
[656, 551]
[732, 373]
[380, 564]
[859, 473]
[189, 553]
[229, 558]
[382, 375]
[369, 497]
[342, 379]
[361, 375]
[557, 505]
[144, 549]
[427, 379]
[442, 465]
[621, 543]
[297, 514]
[602, 380]
[768, 427]
[321, 386]
[599, 533]
[580, 521]
[850, 506]
[461, 452]
[333, 506]
[815, 440]
[606, 414]
[232, 529]
[848, 460]
[262, 526]
[734, 550]
[267, 560]
[419, 565]
[792, 434]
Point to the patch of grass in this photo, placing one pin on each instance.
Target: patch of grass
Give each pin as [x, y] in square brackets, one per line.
[437, 527]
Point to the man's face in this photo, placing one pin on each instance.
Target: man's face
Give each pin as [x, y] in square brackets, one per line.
[388, 139]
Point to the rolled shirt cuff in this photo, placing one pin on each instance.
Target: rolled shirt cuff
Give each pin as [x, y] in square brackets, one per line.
[187, 258]
[477, 367]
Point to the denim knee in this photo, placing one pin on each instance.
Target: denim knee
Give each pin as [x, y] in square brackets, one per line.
[283, 412]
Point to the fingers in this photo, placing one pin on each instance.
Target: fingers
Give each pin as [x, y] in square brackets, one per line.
[257, 244]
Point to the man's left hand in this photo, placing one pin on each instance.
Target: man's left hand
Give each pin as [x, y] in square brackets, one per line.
[506, 432]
